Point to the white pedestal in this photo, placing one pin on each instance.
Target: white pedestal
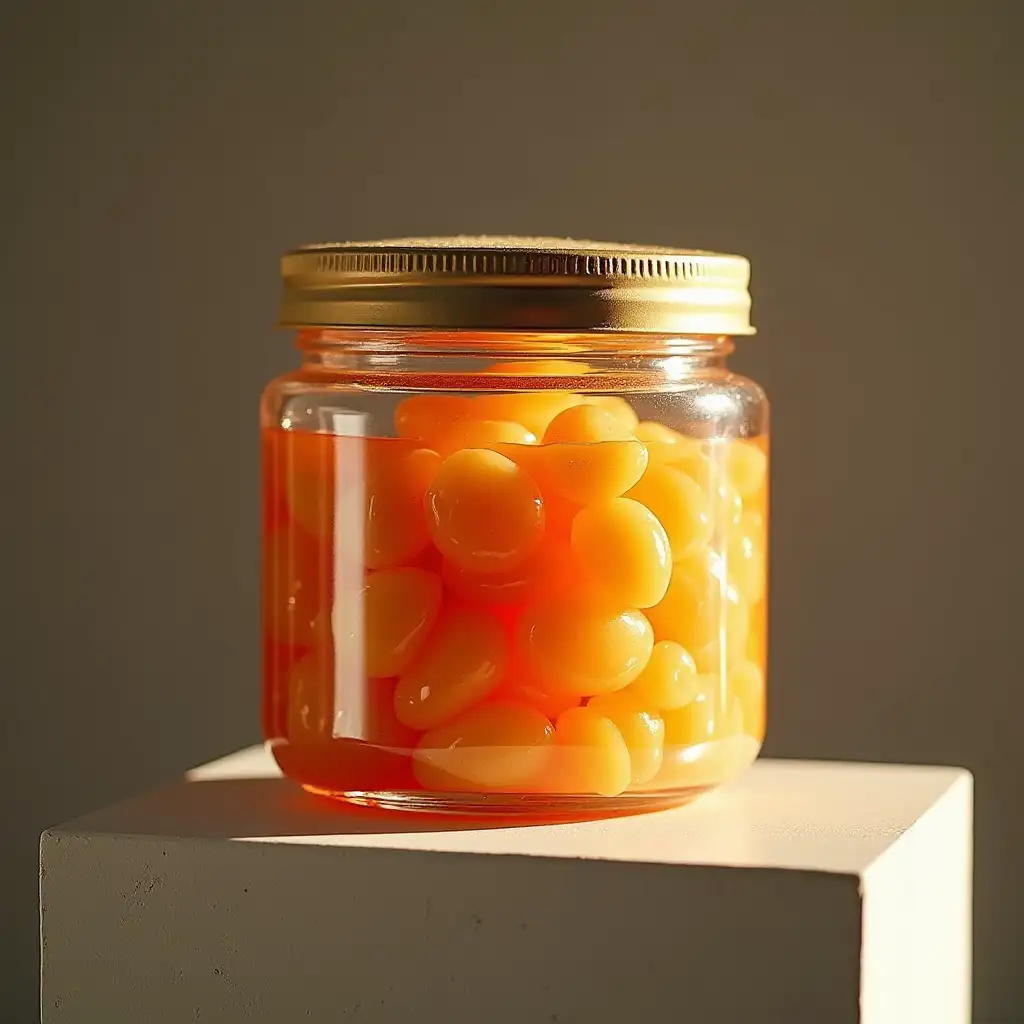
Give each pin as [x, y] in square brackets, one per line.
[806, 891]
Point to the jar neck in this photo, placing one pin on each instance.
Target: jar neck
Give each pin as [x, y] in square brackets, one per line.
[336, 351]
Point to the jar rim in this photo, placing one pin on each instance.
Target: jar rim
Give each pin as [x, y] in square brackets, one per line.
[508, 283]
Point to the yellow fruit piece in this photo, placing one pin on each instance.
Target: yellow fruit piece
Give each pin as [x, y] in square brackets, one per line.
[529, 457]
[580, 645]
[670, 679]
[522, 689]
[680, 505]
[625, 418]
[590, 755]
[473, 433]
[704, 741]
[698, 464]
[584, 424]
[423, 416]
[747, 465]
[585, 473]
[713, 714]
[316, 711]
[499, 745]
[622, 546]
[710, 661]
[665, 444]
[400, 607]
[746, 683]
[533, 409]
[745, 559]
[709, 470]
[701, 607]
[710, 764]
[548, 567]
[396, 531]
[559, 511]
[464, 660]
[640, 726]
[483, 511]
[380, 725]
[507, 587]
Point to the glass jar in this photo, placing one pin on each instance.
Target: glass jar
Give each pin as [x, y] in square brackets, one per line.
[514, 527]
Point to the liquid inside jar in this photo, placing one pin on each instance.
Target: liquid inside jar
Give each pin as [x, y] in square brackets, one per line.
[528, 600]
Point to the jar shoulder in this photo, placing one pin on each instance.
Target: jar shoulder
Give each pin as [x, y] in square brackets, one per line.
[709, 403]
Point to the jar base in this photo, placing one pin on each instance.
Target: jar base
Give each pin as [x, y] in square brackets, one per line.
[524, 807]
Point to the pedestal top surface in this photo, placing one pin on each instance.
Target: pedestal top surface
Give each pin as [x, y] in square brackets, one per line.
[796, 815]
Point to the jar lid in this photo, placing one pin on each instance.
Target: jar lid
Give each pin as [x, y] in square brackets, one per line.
[515, 284]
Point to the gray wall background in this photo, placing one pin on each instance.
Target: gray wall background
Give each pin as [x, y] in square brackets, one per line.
[156, 158]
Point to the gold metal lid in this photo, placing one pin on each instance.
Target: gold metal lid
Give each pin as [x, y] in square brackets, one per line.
[490, 283]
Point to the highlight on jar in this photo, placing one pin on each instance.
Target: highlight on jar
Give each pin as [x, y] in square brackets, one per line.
[520, 598]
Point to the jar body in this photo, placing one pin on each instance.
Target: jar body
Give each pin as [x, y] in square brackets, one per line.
[508, 575]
